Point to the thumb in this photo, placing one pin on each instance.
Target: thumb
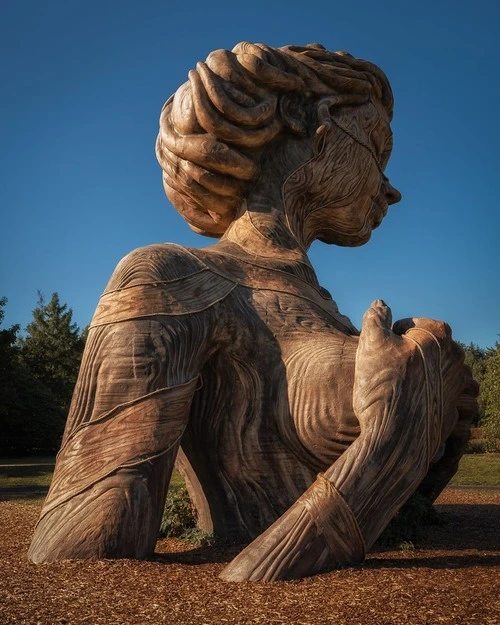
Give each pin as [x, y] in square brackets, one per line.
[377, 320]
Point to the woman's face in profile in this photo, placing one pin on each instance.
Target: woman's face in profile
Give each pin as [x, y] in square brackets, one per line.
[348, 194]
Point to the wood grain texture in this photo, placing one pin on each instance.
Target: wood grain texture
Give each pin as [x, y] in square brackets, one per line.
[235, 361]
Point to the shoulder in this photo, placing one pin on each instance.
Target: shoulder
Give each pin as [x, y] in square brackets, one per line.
[161, 262]
[158, 280]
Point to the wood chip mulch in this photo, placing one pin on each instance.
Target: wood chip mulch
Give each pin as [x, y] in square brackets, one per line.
[451, 577]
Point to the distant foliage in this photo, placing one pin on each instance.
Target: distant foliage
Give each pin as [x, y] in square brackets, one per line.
[484, 364]
[476, 358]
[8, 338]
[37, 375]
[491, 395]
[52, 348]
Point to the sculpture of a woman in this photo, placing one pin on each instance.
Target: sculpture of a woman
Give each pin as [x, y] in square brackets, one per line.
[292, 429]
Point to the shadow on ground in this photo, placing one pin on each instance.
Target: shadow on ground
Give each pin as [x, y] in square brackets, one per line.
[462, 527]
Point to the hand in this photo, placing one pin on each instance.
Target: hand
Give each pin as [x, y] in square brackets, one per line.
[459, 389]
[414, 367]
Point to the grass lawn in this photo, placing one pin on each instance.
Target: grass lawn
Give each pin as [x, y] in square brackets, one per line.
[478, 470]
[31, 472]
[475, 470]
[176, 480]
[39, 479]
[28, 460]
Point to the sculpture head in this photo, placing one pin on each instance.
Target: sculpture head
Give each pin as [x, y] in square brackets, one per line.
[239, 109]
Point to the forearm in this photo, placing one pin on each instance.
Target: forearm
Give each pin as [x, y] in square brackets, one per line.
[383, 467]
[342, 513]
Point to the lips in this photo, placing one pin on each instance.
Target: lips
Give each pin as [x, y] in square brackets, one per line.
[379, 211]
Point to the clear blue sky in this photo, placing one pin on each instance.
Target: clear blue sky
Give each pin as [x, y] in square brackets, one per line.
[82, 84]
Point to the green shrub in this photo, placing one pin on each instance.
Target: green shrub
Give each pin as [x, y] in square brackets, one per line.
[180, 518]
[492, 445]
[483, 446]
[198, 538]
[476, 446]
[406, 546]
[179, 514]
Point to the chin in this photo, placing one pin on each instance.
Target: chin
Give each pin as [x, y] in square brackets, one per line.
[345, 240]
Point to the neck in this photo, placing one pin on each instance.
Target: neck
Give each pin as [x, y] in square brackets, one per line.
[262, 237]
[264, 234]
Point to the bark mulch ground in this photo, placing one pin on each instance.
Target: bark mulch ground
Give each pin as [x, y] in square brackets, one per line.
[451, 577]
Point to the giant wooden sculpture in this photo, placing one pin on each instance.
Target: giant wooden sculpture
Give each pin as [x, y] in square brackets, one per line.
[293, 430]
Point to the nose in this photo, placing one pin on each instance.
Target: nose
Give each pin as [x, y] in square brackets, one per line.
[391, 193]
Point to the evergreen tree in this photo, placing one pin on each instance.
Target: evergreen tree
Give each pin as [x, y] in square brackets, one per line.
[475, 358]
[52, 348]
[8, 338]
[31, 420]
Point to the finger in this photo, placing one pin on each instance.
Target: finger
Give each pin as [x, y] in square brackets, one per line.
[439, 329]
[403, 325]
[471, 387]
[377, 321]
[461, 429]
[467, 406]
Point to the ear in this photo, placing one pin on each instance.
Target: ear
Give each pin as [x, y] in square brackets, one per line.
[325, 110]
[292, 108]
[319, 138]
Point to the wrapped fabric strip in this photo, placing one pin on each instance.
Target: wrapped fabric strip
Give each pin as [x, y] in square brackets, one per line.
[433, 373]
[335, 521]
[188, 295]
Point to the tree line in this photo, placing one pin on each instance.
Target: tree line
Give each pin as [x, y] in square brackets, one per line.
[38, 371]
[485, 367]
